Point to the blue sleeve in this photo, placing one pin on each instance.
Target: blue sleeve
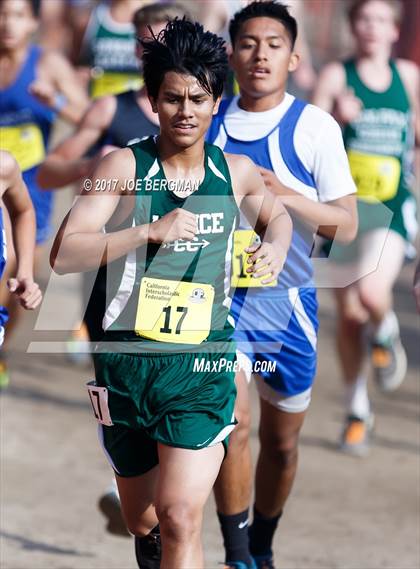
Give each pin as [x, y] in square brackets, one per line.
[217, 120]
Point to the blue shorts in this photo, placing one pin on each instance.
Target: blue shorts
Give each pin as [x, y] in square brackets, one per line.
[3, 320]
[281, 329]
[42, 200]
[3, 312]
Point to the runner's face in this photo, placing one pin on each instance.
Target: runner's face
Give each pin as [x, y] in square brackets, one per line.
[185, 109]
[262, 57]
[17, 23]
[374, 27]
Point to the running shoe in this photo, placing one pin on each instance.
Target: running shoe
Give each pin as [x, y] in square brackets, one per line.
[4, 375]
[389, 364]
[148, 550]
[264, 562]
[239, 565]
[357, 434]
[109, 505]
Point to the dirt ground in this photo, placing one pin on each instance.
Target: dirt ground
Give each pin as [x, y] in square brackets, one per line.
[344, 513]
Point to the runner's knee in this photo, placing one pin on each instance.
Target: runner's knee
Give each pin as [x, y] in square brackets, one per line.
[351, 323]
[137, 527]
[178, 521]
[280, 449]
[240, 435]
[374, 299]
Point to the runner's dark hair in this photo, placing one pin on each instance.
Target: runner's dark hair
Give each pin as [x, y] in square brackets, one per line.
[184, 47]
[263, 9]
[34, 4]
[396, 6]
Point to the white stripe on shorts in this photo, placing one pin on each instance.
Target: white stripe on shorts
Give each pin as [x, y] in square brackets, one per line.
[223, 433]
[302, 317]
[292, 404]
[102, 443]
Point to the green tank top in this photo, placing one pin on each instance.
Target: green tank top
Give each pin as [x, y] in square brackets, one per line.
[178, 292]
[109, 49]
[380, 142]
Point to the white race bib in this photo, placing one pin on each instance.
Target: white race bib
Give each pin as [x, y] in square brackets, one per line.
[99, 399]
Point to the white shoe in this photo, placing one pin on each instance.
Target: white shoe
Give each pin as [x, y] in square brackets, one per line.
[389, 365]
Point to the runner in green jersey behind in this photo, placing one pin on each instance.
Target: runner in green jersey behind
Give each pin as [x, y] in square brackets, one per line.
[108, 48]
[374, 98]
[164, 391]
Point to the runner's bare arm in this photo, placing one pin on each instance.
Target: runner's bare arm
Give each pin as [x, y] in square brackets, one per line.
[58, 87]
[331, 83]
[334, 219]
[19, 206]
[332, 95]
[410, 74]
[265, 213]
[66, 163]
[82, 245]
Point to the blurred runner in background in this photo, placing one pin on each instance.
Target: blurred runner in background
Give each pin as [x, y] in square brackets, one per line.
[108, 48]
[375, 98]
[14, 195]
[63, 24]
[36, 86]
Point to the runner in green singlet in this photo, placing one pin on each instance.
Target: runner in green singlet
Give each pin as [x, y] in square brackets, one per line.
[108, 48]
[375, 99]
[164, 391]
[110, 122]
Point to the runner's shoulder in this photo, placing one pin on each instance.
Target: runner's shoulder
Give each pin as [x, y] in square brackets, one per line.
[316, 124]
[243, 172]
[9, 172]
[409, 71]
[332, 77]
[239, 163]
[9, 167]
[121, 158]
[119, 165]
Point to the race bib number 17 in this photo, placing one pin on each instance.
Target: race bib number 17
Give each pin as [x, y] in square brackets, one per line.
[172, 311]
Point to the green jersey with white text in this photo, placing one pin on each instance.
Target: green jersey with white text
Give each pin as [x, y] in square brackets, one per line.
[177, 293]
